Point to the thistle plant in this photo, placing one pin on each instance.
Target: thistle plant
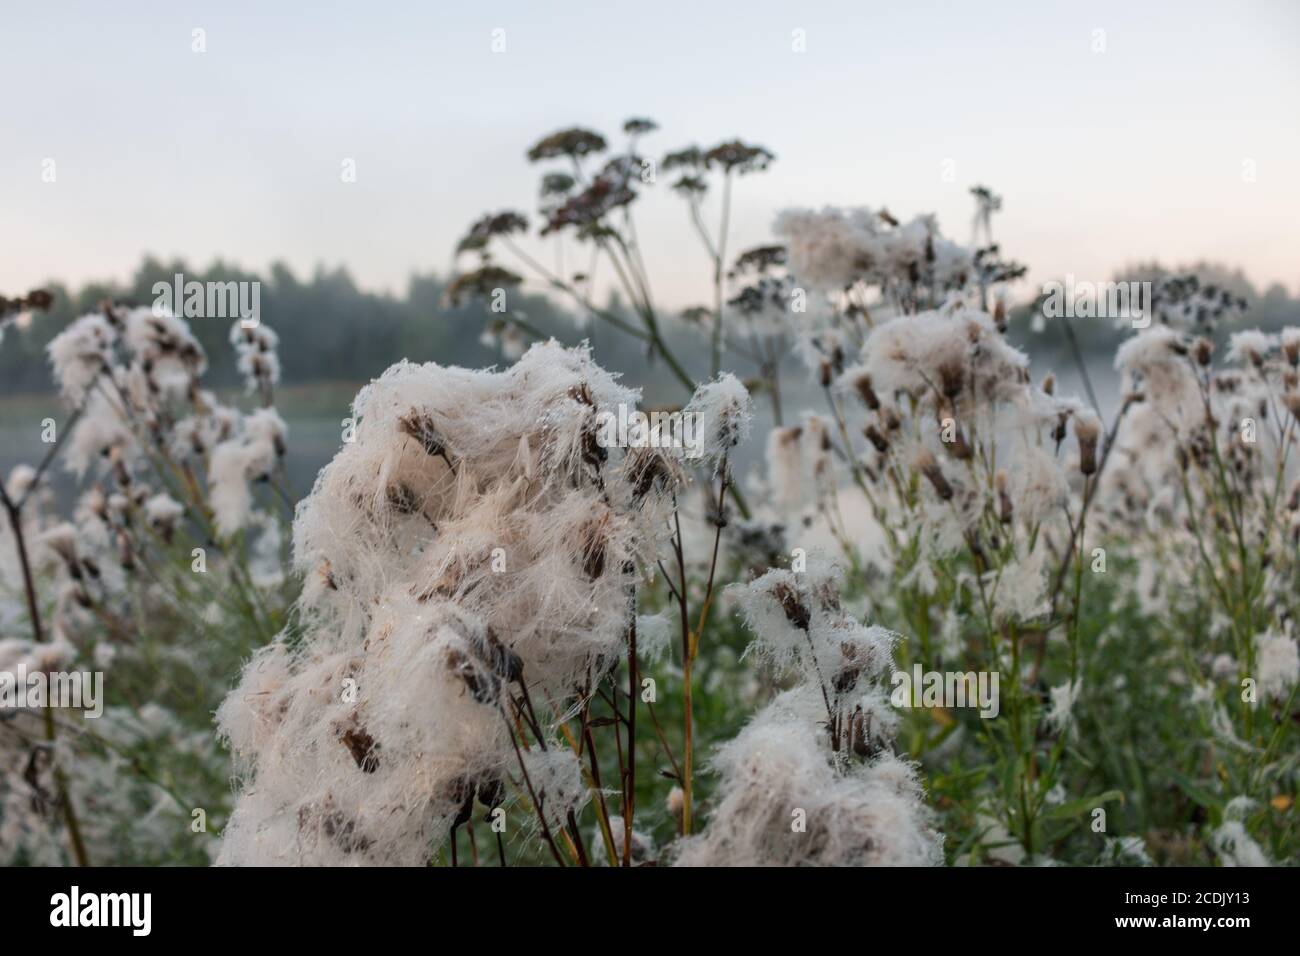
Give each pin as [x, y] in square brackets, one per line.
[989, 521]
[167, 570]
[505, 638]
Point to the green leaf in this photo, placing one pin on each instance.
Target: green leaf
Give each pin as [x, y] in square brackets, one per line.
[1082, 805]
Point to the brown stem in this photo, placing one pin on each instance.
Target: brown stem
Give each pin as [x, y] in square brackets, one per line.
[602, 810]
[532, 794]
[629, 781]
[33, 610]
[684, 617]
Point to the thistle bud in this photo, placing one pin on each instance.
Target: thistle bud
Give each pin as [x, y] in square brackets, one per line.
[926, 464]
[1291, 347]
[795, 611]
[1292, 401]
[868, 394]
[1204, 351]
[880, 442]
[1087, 430]
[1004, 499]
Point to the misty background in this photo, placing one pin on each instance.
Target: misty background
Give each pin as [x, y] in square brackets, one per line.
[1127, 141]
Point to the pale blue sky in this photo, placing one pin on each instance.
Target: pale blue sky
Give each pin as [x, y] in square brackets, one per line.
[1103, 158]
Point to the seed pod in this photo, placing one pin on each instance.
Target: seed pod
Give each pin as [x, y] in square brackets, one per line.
[925, 463]
[504, 662]
[860, 733]
[1292, 400]
[125, 556]
[1291, 349]
[1004, 499]
[846, 678]
[362, 746]
[1204, 351]
[1058, 430]
[402, 499]
[491, 793]
[796, 613]
[483, 684]
[593, 549]
[646, 467]
[420, 427]
[880, 442]
[958, 447]
[952, 376]
[1087, 430]
[461, 791]
[868, 394]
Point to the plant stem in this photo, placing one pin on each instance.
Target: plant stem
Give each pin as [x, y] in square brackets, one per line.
[629, 782]
[718, 265]
[33, 609]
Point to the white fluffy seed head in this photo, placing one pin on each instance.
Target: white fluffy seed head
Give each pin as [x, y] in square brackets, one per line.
[474, 535]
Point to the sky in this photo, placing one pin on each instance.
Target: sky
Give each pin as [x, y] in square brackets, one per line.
[1116, 132]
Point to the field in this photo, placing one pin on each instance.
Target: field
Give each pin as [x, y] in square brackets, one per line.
[907, 600]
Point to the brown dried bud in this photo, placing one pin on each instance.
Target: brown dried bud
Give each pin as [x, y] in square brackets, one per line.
[1204, 351]
[1292, 402]
[481, 683]
[1087, 431]
[362, 746]
[954, 439]
[1004, 499]
[860, 733]
[647, 466]
[1058, 430]
[593, 548]
[926, 464]
[868, 394]
[420, 427]
[125, 556]
[796, 613]
[461, 792]
[504, 662]
[952, 376]
[1291, 349]
[402, 499]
